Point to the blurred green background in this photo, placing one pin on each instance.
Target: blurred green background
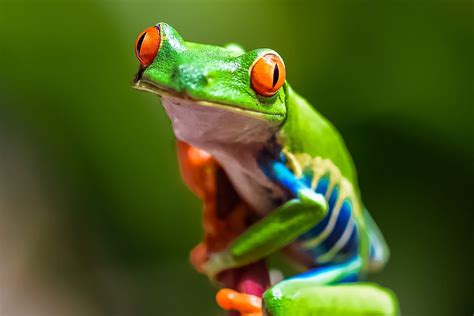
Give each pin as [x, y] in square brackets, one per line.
[94, 219]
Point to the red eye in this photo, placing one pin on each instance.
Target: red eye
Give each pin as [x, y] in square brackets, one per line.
[268, 75]
[147, 45]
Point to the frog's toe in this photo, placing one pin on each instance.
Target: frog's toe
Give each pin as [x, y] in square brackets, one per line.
[246, 304]
[199, 256]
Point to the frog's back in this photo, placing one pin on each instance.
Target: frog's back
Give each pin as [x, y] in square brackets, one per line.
[307, 131]
[317, 154]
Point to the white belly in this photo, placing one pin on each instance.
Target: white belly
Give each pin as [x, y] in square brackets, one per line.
[234, 140]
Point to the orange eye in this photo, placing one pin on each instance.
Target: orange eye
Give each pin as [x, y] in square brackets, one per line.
[147, 45]
[268, 75]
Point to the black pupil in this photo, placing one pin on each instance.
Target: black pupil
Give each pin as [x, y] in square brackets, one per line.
[276, 75]
[140, 42]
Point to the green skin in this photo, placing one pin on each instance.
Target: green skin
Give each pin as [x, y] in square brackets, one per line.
[214, 77]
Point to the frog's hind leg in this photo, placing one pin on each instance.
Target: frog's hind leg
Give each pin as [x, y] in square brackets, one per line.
[324, 291]
[355, 299]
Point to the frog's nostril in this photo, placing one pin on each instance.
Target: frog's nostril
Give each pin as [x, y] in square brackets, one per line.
[175, 75]
[204, 80]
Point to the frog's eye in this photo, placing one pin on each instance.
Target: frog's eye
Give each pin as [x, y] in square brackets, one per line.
[268, 75]
[147, 45]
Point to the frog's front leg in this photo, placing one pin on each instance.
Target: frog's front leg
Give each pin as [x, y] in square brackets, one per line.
[276, 230]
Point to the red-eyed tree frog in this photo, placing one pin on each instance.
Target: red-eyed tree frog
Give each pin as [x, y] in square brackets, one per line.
[274, 175]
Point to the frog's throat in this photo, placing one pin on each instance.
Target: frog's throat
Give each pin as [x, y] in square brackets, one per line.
[163, 92]
[215, 125]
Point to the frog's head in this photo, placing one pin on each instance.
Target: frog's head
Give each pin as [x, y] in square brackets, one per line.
[209, 91]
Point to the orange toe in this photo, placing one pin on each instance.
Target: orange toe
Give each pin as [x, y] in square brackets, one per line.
[247, 305]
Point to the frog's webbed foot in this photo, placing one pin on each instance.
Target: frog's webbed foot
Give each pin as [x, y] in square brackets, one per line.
[246, 304]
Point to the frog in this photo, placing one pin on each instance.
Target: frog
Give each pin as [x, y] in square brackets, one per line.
[242, 131]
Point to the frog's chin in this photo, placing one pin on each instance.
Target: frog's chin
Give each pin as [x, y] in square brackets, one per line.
[210, 126]
[163, 92]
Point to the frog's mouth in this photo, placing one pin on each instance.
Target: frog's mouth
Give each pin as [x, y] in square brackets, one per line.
[143, 85]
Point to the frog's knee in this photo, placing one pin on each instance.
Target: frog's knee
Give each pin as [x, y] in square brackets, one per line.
[277, 300]
[272, 303]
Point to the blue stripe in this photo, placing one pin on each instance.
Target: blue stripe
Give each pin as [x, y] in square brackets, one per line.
[349, 279]
[323, 185]
[350, 249]
[342, 220]
[313, 272]
[316, 230]
[349, 269]
[307, 178]
[286, 178]
[333, 198]
[372, 251]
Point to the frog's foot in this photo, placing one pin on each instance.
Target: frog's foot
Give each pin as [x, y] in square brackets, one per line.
[246, 304]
